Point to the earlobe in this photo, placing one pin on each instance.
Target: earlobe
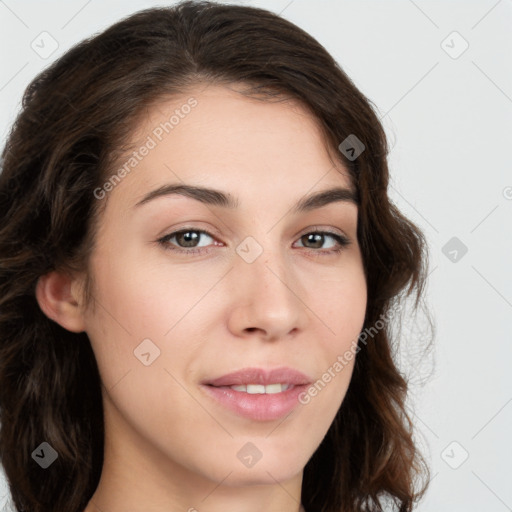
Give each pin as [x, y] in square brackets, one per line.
[57, 298]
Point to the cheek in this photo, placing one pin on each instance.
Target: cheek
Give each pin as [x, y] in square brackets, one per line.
[340, 302]
[144, 299]
[341, 307]
[143, 308]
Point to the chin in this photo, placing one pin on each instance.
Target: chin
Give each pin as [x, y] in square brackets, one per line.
[271, 467]
[262, 476]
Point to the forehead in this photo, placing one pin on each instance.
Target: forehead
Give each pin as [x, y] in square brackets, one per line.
[213, 135]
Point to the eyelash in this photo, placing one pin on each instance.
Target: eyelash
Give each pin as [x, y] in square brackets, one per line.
[343, 242]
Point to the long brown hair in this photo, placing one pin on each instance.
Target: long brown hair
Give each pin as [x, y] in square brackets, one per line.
[75, 120]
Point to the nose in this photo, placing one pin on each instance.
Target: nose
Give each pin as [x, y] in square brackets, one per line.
[267, 302]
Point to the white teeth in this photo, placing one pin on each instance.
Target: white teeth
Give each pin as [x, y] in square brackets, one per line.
[274, 388]
[239, 388]
[260, 389]
[254, 389]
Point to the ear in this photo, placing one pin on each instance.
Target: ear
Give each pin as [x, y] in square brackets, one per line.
[58, 298]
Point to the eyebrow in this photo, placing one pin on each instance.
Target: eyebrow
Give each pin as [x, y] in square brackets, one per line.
[225, 200]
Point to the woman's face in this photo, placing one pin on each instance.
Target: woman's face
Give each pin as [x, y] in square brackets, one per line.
[243, 287]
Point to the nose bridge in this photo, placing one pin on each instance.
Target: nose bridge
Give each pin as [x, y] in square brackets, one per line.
[265, 297]
[263, 265]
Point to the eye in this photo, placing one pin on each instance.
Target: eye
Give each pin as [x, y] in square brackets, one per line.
[186, 241]
[186, 238]
[318, 237]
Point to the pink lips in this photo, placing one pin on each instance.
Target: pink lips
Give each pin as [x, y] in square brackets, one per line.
[259, 407]
[261, 376]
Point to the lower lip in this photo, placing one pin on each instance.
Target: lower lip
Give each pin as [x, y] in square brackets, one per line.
[259, 407]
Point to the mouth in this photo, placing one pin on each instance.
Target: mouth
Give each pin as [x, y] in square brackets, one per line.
[258, 394]
[260, 389]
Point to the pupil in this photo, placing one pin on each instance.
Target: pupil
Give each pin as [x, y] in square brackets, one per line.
[316, 238]
[189, 239]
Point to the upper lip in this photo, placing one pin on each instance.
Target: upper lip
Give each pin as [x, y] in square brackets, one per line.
[283, 375]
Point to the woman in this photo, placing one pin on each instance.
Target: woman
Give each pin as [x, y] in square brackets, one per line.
[199, 262]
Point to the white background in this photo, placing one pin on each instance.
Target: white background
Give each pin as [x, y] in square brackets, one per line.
[449, 121]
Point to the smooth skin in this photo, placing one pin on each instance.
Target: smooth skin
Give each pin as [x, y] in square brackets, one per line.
[169, 447]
